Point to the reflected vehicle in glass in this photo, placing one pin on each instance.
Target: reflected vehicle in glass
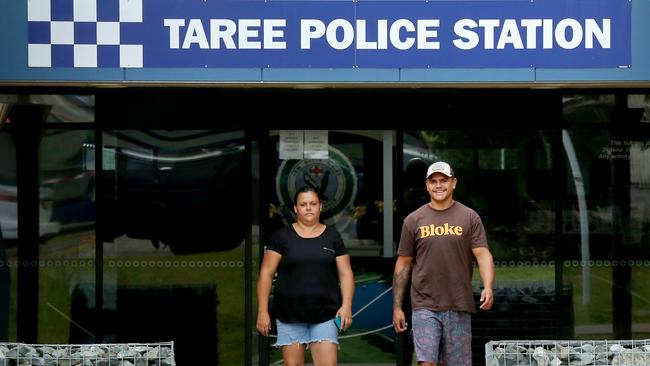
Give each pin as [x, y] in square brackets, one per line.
[9, 213]
[183, 189]
[64, 191]
[60, 184]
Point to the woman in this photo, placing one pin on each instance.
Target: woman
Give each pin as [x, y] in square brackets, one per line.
[311, 260]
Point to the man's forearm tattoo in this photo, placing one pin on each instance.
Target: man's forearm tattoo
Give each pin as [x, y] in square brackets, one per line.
[400, 281]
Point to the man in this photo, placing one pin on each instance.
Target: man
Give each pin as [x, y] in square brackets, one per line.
[439, 243]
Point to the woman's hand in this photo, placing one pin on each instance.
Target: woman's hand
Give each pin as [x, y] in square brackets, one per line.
[346, 317]
[346, 279]
[264, 323]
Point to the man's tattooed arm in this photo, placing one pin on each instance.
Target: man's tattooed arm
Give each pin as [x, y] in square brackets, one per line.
[401, 280]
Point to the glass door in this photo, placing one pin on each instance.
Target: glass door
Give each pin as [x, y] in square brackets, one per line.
[351, 170]
[8, 236]
[606, 212]
[508, 177]
[175, 204]
[67, 236]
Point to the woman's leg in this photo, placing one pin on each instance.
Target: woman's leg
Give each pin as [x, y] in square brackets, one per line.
[324, 353]
[294, 354]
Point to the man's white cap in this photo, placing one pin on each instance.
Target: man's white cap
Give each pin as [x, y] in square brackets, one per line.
[440, 167]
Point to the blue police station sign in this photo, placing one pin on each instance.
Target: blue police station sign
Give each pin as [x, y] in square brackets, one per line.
[332, 34]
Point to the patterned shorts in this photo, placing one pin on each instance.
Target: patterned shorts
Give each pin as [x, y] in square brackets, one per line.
[443, 337]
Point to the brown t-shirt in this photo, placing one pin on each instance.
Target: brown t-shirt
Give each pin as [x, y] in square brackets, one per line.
[441, 243]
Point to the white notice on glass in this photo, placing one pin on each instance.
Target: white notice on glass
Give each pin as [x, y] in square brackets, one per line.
[316, 144]
[291, 144]
[108, 158]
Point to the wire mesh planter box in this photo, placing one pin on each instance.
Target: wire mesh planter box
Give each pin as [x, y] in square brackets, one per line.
[576, 353]
[116, 354]
[530, 310]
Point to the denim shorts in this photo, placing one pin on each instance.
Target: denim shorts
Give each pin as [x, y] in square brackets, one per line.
[443, 336]
[305, 333]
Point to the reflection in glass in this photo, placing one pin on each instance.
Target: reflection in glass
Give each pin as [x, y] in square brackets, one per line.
[67, 232]
[55, 108]
[175, 204]
[8, 236]
[606, 219]
[588, 109]
[349, 183]
[616, 237]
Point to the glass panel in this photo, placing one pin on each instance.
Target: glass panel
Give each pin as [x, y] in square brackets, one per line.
[255, 247]
[606, 224]
[507, 178]
[67, 232]
[54, 108]
[175, 207]
[588, 109]
[8, 236]
[350, 179]
[350, 185]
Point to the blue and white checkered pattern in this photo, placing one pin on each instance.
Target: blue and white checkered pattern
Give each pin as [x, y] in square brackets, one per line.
[83, 33]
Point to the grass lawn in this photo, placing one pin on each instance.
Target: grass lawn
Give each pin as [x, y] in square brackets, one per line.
[598, 308]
